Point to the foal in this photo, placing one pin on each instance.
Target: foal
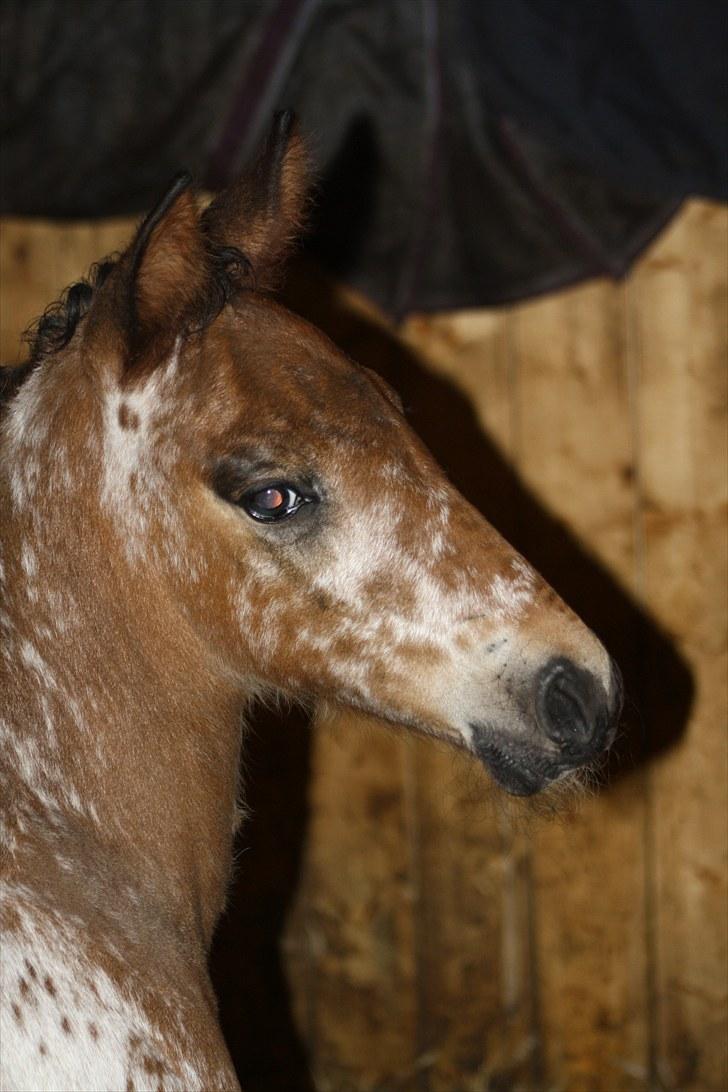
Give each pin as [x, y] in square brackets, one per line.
[203, 501]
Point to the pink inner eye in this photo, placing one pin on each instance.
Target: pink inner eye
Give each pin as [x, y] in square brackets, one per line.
[270, 499]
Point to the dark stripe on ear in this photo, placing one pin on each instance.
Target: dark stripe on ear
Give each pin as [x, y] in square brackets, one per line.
[181, 182]
[276, 145]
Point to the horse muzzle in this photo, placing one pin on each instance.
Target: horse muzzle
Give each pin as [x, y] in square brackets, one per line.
[573, 722]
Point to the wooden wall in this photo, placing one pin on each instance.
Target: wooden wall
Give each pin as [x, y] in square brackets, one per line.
[397, 926]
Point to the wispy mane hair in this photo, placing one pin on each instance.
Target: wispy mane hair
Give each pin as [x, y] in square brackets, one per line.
[230, 271]
[57, 325]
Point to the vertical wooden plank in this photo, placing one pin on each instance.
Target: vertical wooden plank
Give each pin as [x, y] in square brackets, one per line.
[475, 1001]
[679, 302]
[29, 280]
[575, 451]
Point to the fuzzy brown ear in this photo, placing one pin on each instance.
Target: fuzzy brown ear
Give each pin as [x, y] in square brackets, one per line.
[262, 213]
[168, 269]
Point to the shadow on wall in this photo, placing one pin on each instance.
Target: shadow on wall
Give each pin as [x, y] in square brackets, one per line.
[247, 967]
[246, 962]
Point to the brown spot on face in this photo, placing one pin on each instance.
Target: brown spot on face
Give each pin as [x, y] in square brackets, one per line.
[465, 641]
[65, 1024]
[48, 984]
[93, 1031]
[42, 1048]
[31, 970]
[16, 1012]
[24, 987]
[322, 601]
[129, 1085]
[11, 918]
[380, 592]
[347, 647]
[423, 652]
[128, 418]
[153, 1066]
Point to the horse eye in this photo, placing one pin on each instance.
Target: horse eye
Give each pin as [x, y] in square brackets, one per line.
[275, 502]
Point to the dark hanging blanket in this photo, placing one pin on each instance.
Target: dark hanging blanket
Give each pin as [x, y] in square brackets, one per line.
[470, 151]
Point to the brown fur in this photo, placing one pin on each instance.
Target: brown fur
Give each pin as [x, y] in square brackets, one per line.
[263, 213]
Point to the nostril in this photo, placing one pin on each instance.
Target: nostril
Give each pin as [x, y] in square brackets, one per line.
[565, 716]
[566, 704]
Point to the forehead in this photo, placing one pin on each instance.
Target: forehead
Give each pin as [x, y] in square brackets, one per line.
[285, 378]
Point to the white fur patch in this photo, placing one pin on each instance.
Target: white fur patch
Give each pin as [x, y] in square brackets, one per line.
[32, 658]
[138, 463]
[64, 1024]
[27, 429]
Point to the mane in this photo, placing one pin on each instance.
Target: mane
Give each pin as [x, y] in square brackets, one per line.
[57, 325]
[230, 269]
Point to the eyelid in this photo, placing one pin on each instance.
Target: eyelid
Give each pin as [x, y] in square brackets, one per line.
[301, 489]
[234, 475]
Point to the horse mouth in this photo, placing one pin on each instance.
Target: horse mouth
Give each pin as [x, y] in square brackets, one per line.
[515, 767]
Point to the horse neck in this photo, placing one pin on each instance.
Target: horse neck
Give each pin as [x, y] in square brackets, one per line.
[120, 722]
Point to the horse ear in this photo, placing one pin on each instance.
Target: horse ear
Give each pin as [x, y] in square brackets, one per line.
[168, 268]
[262, 213]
